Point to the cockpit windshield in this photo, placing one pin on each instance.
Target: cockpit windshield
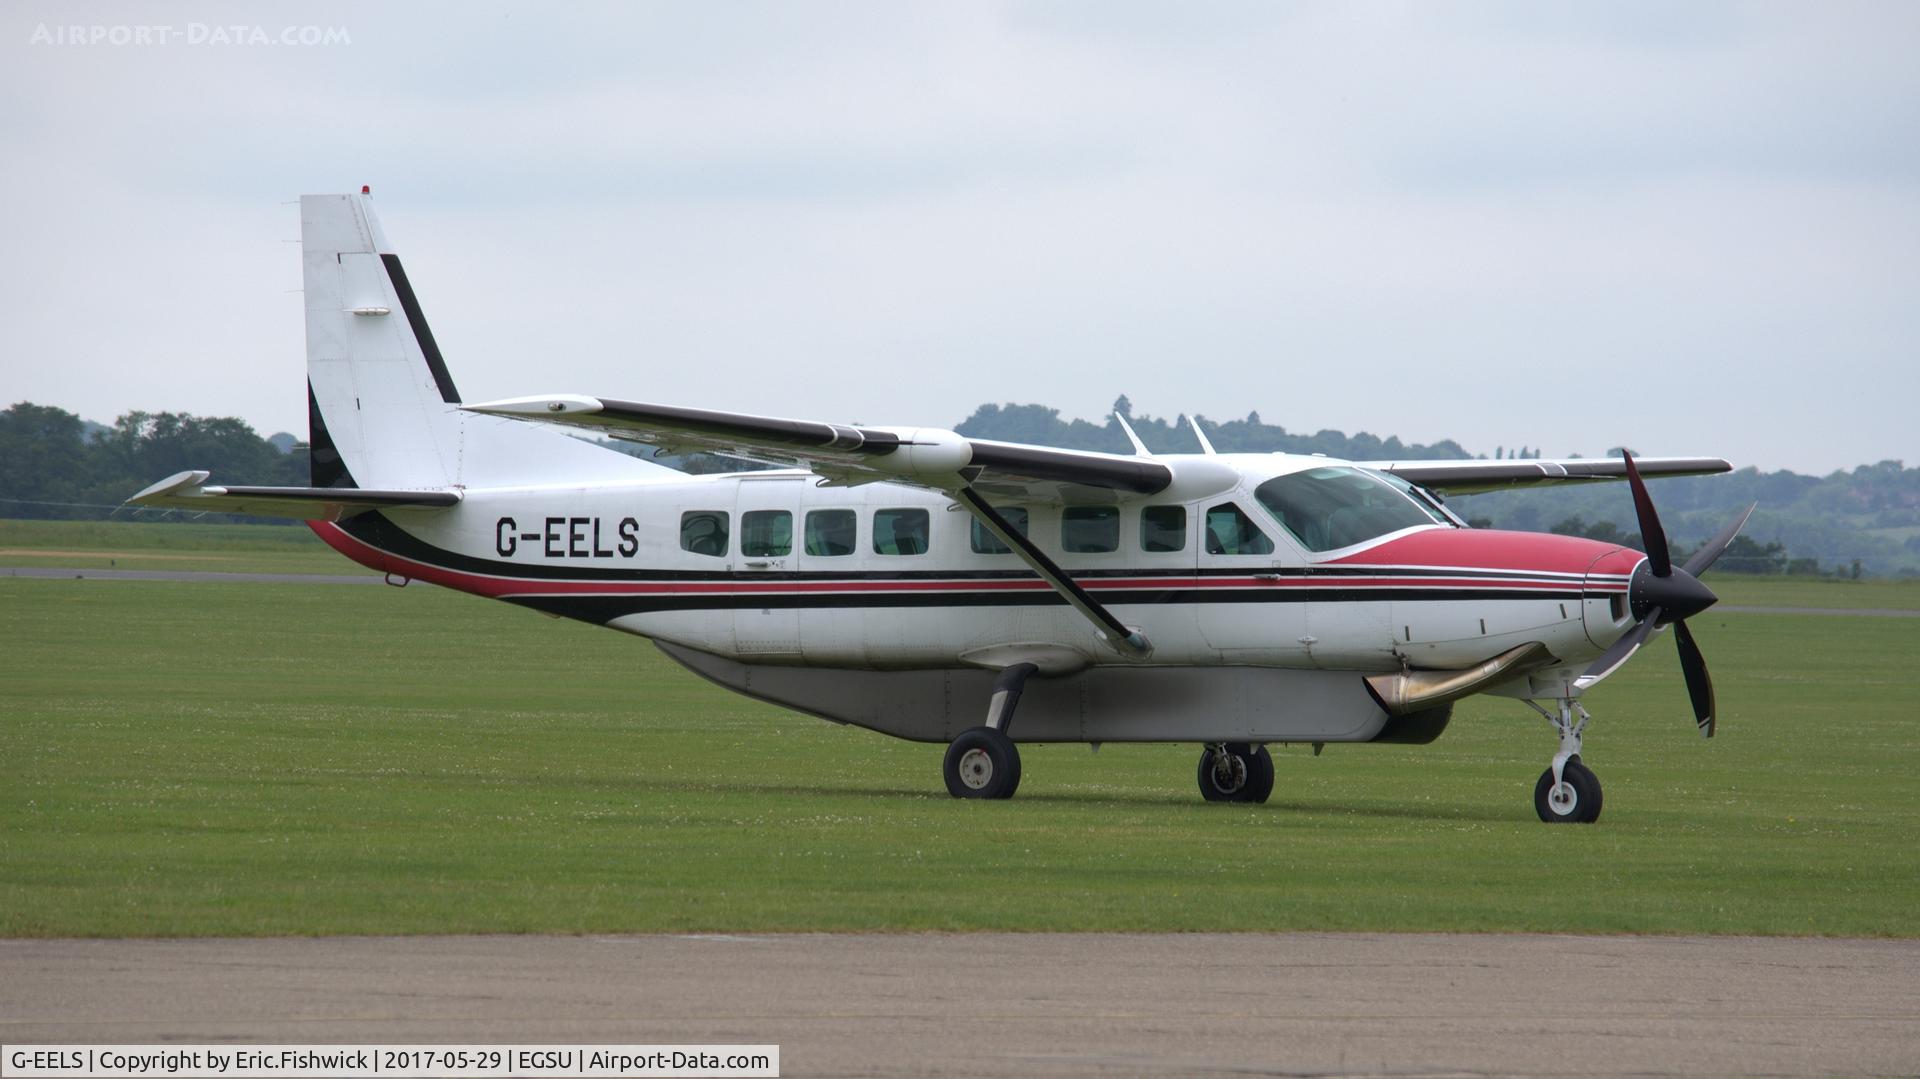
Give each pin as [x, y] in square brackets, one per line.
[1336, 506]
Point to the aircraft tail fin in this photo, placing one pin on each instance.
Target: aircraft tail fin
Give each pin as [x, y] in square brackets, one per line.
[383, 409]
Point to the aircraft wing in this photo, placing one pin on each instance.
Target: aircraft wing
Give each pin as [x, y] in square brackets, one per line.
[190, 491]
[1474, 477]
[924, 456]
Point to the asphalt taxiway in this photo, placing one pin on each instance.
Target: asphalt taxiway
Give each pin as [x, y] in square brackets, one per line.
[1044, 1004]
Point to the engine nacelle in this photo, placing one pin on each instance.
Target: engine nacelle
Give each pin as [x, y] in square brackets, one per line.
[924, 452]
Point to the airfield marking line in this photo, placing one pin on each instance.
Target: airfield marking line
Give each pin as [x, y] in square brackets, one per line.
[42, 552]
[1881, 612]
[200, 576]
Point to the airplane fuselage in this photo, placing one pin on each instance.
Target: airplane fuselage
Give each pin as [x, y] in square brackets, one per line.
[774, 568]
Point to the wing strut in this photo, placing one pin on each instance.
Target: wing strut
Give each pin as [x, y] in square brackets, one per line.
[1123, 638]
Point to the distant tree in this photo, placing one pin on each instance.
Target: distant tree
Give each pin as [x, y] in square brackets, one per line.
[1122, 406]
[1603, 530]
[44, 459]
[49, 467]
[1744, 555]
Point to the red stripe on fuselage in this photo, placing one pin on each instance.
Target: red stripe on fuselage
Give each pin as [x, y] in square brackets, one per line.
[1487, 549]
[498, 586]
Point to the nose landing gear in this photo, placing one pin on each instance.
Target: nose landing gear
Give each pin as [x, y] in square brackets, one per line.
[1568, 792]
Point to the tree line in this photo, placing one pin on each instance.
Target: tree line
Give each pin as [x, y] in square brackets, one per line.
[1863, 521]
[53, 464]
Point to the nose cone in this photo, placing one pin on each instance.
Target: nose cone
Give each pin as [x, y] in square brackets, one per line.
[1679, 596]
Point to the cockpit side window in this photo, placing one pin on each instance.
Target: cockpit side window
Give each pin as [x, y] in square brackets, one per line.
[1335, 506]
[1230, 531]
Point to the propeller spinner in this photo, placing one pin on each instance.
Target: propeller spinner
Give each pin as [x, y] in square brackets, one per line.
[1661, 595]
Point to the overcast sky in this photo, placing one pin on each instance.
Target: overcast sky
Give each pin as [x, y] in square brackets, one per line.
[1687, 228]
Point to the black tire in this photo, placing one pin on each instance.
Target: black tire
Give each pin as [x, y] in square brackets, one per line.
[1242, 774]
[1584, 788]
[982, 763]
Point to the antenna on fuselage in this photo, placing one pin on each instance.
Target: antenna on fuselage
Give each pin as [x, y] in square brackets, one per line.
[1139, 448]
[1205, 446]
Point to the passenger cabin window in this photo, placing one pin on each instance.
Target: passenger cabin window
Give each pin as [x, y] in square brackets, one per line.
[831, 532]
[766, 533]
[1090, 529]
[704, 532]
[1163, 528]
[985, 542]
[1229, 531]
[1335, 506]
[901, 531]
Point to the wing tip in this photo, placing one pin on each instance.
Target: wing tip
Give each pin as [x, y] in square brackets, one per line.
[174, 484]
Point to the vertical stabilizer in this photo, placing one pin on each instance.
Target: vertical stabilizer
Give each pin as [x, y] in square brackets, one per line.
[382, 403]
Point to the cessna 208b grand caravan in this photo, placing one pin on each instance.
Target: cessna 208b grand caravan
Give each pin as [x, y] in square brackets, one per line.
[949, 589]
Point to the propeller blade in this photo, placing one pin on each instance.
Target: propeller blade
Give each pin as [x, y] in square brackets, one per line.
[1652, 536]
[1699, 683]
[1710, 553]
[1622, 650]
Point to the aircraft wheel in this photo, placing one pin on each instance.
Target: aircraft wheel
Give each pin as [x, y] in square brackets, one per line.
[1236, 772]
[982, 763]
[1575, 801]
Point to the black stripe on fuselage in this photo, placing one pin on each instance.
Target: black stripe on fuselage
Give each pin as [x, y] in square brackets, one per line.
[375, 530]
[601, 609]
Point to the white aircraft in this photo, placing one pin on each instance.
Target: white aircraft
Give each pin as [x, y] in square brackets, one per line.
[948, 589]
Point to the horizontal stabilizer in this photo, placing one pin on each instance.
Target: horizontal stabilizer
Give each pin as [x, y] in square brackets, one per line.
[190, 491]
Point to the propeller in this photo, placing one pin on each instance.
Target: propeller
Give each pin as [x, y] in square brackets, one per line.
[1662, 595]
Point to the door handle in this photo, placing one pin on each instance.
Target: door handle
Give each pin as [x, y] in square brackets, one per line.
[763, 563]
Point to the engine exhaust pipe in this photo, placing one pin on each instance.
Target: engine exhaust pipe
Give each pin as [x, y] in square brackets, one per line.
[1411, 691]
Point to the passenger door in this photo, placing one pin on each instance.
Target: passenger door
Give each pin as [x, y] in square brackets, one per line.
[1250, 605]
[766, 517]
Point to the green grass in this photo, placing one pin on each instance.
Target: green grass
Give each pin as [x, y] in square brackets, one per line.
[153, 546]
[1736, 589]
[197, 759]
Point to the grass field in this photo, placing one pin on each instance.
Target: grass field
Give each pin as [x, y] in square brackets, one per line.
[193, 759]
[137, 545]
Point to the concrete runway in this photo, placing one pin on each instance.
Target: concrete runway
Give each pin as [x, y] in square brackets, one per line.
[1024, 1004]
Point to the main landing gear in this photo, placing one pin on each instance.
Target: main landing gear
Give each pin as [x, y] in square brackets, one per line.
[983, 762]
[1568, 792]
[1235, 772]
